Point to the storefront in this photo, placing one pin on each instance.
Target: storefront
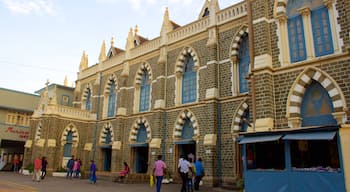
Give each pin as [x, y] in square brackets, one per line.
[293, 161]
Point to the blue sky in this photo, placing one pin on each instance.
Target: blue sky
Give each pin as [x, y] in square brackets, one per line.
[44, 39]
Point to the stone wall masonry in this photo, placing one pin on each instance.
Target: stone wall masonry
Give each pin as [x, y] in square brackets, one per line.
[343, 7]
[275, 50]
[264, 96]
[225, 79]
[262, 38]
[225, 40]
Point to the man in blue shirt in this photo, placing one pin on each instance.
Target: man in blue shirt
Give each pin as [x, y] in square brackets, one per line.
[199, 173]
[70, 165]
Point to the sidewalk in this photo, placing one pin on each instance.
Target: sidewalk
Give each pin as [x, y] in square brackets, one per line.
[13, 182]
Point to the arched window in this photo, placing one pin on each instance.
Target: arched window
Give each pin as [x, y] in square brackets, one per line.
[68, 146]
[141, 134]
[88, 100]
[316, 106]
[144, 91]
[243, 63]
[108, 136]
[187, 130]
[189, 80]
[111, 100]
[298, 25]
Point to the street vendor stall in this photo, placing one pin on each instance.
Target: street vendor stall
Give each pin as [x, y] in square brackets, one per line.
[293, 161]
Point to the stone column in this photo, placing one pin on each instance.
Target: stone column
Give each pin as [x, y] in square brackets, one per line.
[305, 13]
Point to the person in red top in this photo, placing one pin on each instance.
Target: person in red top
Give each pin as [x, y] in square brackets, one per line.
[37, 169]
[15, 164]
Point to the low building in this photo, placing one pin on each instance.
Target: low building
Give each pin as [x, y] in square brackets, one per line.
[16, 109]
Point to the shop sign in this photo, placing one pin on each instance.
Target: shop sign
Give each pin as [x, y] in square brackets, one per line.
[14, 133]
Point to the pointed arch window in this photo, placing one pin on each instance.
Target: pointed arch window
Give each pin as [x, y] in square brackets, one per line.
[144, 92]
[112, 100]
[187, 130]
[243, 63]
[189, 81]
[108, 139]
[141, 134]
[88, 100]
[316, 106]
[68, 146]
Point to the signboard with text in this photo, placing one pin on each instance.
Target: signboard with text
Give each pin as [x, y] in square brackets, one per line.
[13, 132]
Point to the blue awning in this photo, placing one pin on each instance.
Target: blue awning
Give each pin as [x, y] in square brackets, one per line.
[106, 146]
[310, 136]
[138, 144]
[257, 139]
[182, 142]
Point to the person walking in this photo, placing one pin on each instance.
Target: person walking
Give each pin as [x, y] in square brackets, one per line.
[70, 165]
[76, 168]
[15, 164]
[43, 167]
[37, 169]
[92, 172]
[159, 169]
[184, 168]
[199, 173]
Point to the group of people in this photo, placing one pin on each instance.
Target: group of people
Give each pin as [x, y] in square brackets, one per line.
[191, 173]
[73, 168]
[40, 165]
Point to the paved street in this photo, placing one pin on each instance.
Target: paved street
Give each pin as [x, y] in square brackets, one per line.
[12, 182]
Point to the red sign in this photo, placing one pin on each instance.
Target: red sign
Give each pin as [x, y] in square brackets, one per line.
[19, 133]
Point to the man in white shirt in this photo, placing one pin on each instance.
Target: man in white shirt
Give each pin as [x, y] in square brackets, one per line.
[184, 168]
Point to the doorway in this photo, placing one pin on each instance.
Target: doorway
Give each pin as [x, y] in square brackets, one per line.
[140, 159]
[107, 156]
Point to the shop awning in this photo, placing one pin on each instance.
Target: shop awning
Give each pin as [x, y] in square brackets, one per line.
[329, 135]
[182, 142]
[138, 145]
[257, 139]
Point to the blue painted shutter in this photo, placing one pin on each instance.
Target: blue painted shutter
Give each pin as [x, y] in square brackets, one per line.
[88, 100]
[68, 146]
[189, 81]
[321, 30]
[187, 130]
[296, 36]
[144, 92]
[243, 64]
[111, 100]
[317, 107]
[141, 134]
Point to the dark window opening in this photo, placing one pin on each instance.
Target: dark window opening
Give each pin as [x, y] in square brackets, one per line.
[266, 155]
[315, 155]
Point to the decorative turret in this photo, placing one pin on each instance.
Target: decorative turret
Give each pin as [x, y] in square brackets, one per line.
[83, 62]
[213, 7]
[166, 28]
[206, 9]
[102, 56]
[65, 83]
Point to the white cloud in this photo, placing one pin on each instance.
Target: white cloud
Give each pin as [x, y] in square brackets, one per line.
[27, 7]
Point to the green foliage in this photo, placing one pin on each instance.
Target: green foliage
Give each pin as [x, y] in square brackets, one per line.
[240, 182]
[30, 167]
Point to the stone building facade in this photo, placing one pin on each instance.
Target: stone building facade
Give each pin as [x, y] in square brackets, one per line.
[196, 88]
